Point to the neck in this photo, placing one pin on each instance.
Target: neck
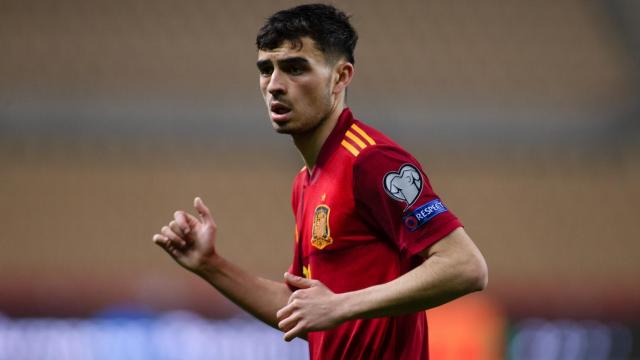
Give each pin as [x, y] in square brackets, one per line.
[310, 143]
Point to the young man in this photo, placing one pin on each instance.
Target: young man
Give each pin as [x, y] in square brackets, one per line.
[375, 246]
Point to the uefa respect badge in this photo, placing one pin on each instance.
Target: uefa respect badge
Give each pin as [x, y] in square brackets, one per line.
[423, 214]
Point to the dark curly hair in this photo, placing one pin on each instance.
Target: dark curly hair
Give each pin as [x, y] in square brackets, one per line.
[327, 26]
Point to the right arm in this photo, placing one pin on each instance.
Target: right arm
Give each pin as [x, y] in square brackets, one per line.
[190, 241]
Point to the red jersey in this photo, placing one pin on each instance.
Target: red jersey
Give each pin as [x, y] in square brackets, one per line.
[362, 217]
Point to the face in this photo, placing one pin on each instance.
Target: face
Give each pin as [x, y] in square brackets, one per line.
[297, 86]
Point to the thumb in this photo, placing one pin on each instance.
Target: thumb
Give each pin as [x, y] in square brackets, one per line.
[203, 210]
[297, 281]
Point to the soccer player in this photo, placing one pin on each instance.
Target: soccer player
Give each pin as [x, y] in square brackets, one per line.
[374, 246]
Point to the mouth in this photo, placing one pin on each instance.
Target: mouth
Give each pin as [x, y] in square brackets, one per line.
[279, 111]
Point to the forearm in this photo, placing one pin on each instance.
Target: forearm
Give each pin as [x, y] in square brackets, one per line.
[452, 269]
[427, 286]
[191, 243]
[260, 297]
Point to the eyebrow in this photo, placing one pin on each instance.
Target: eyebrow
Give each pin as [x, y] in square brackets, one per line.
[294, 60]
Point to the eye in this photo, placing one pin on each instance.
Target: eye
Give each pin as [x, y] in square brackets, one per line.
[295, 70]
[265, 68]
[265, 71]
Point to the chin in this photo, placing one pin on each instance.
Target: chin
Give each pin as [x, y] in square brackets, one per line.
[282, 129]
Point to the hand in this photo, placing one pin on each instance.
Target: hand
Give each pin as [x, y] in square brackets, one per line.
[311, 308]
[189, 240]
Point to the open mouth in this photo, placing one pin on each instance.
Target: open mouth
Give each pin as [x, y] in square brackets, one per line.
[279, 109]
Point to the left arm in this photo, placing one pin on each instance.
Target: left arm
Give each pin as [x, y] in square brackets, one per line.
[452, 268]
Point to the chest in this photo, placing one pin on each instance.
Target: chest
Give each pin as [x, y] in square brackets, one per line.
[326, 216]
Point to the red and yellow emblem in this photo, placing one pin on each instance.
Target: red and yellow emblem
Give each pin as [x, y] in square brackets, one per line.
[321, 234]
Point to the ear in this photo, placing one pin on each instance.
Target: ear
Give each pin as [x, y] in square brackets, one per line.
[343, 75]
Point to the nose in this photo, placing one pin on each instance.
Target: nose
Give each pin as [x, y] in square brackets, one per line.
[276, 84]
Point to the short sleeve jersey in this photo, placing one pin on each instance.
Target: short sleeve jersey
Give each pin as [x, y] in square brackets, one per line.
[362, 217]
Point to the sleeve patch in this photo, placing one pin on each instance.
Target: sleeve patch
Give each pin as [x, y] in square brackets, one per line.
[423, 214]
[404, 185]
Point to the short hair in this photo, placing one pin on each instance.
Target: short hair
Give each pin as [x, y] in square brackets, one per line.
[327, 26]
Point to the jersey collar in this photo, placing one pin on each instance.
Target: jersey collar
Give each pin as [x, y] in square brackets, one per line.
[333, 141]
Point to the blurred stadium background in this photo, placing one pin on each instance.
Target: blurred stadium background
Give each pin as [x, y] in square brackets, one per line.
[113, 114]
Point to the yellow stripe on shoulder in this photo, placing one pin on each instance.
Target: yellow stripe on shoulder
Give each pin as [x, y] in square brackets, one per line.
[350, 147]
[356, 139]
[363, 134]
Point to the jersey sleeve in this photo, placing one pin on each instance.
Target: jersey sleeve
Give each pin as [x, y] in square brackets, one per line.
[394, 196]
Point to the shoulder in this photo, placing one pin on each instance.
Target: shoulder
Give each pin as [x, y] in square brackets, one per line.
[376, 152]
[371, 134]
[384, 154]
[382, 168]
[383, 158]
[371, 143]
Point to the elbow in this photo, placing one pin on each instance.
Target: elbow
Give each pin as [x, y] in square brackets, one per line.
[478, 274]
[472, 274]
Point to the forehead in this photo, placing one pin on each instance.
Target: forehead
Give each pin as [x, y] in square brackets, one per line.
[288, 49]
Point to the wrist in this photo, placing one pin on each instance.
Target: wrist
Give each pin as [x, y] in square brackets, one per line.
[362, 304]
[209, 265]
[347, 305]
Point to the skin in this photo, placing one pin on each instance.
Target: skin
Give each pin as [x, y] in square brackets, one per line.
[311, 86]
[308, 92]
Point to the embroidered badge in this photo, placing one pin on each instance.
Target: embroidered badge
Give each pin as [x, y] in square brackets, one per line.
[423, 214]
[321, 234]
[403, 185]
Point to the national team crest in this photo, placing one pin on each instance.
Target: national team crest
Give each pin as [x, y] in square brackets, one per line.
[404, 185]
[321, 234]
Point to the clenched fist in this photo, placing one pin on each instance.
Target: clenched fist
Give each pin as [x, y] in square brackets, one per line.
[188, 239]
